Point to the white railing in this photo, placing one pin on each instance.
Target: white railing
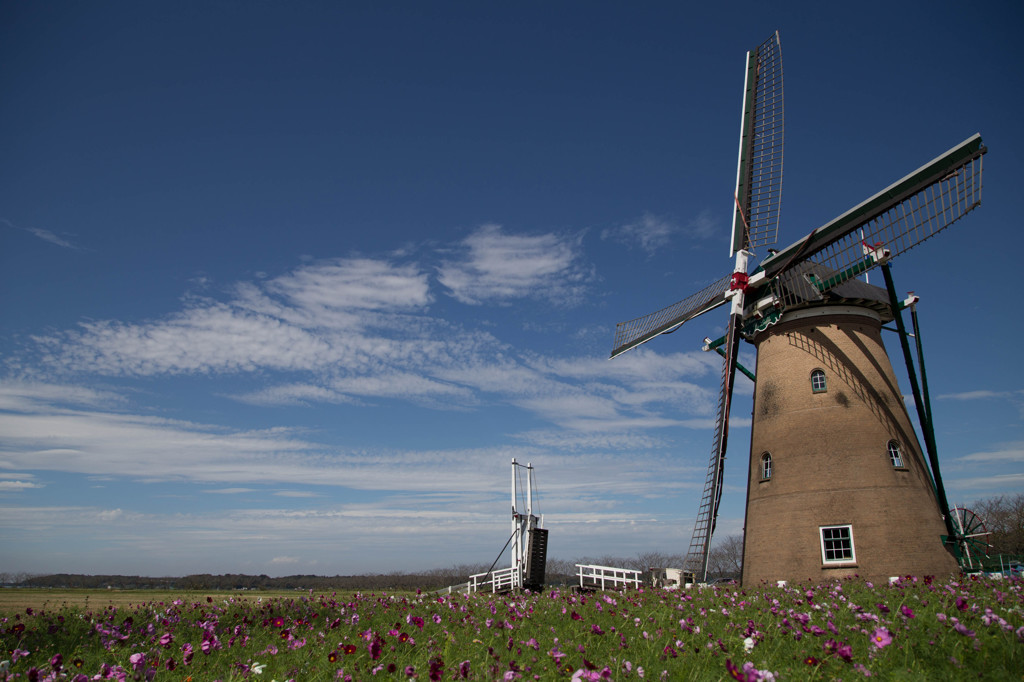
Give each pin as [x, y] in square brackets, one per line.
[502, 580]
[607, 577]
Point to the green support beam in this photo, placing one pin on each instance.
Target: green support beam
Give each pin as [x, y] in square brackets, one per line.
[717, 347]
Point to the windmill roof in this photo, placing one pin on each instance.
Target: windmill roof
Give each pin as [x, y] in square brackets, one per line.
[851, 292]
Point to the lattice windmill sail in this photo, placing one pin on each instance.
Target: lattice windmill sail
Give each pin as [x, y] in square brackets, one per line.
[817, 272]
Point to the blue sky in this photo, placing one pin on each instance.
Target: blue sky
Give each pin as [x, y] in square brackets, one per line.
[285, 287]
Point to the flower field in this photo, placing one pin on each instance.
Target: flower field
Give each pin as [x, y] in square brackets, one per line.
[912, 629]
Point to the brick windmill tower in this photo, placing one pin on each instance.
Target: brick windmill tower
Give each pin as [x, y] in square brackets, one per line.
[838, 484]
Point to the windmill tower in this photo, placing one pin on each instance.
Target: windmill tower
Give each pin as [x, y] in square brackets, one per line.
[837, 482]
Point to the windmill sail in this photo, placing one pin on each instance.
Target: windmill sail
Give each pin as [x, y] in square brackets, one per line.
[700, 543]
[629, 335]
[759, 170]
[893, 221]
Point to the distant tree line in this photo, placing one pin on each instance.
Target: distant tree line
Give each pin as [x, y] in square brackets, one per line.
[559, 572]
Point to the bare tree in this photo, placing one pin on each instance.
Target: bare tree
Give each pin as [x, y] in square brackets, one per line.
[726, 558]
[1004, 517]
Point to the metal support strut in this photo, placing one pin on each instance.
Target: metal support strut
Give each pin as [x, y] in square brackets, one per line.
[923, 412]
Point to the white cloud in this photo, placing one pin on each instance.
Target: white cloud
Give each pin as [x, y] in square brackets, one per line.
[293, 394]
[44, 234]
[1004, 452]
[651, 232]
[114, 445]
[991, 485]
[704, 226]
[496, 268]
[977, 395]
[358, 330]
[16, 486]
[573, 442]
[22, 396]
[357, 283]
[321, 315]
[210, 338]
[399, 384]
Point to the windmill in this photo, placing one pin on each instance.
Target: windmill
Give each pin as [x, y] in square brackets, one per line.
[837, 481]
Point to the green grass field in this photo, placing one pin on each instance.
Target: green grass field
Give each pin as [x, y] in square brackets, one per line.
[910, 630]
[17, 600]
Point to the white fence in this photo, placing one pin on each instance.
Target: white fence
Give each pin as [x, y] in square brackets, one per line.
[607, 577]
[502, 580]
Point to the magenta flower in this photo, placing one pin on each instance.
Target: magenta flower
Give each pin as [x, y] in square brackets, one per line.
[57, 661]
[907, 611]
[596, 629]
[961, 604]
[881, 638]
[748, 673]
[843, 651]
[962, 629]
[374, 648]
[138, 661]
[166, 639]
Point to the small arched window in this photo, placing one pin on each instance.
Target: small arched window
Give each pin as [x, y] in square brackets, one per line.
[766, 466]
[895, 456]
[818, 381]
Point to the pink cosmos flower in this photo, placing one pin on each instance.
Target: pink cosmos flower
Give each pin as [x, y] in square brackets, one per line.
[881, 638]
[962, 629]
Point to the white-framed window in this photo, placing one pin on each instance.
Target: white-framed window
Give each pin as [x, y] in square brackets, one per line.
[895, 455]
[766, 466]
[837, 545]
[818, 381]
